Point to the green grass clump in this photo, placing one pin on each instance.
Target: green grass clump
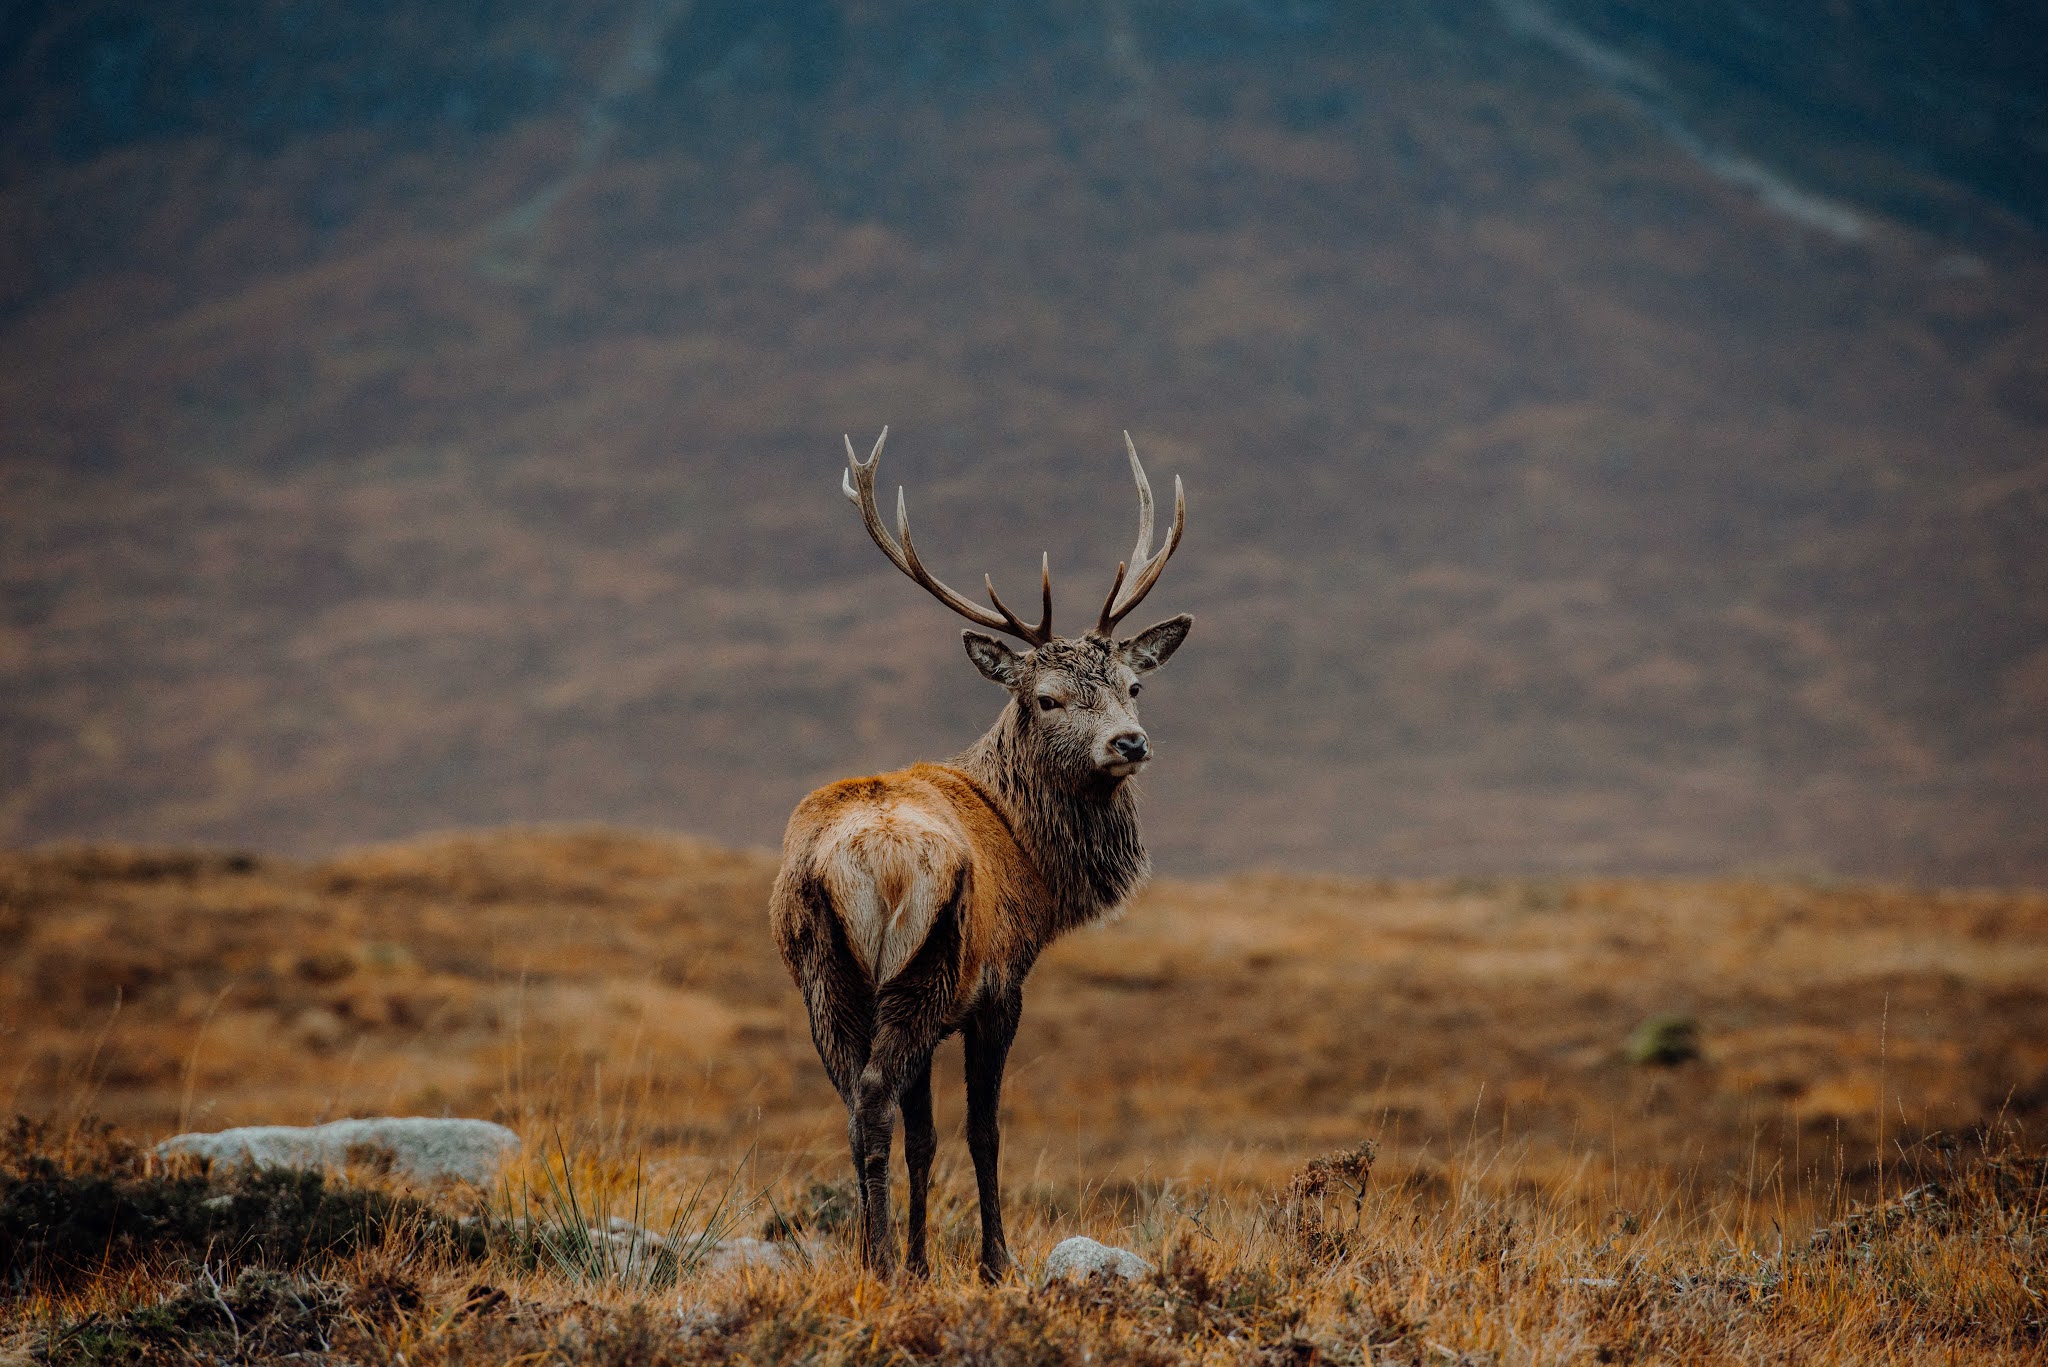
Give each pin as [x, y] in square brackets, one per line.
[1665, 1041]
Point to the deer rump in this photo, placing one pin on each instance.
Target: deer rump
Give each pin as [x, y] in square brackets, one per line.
[889, 870]
[895, 854]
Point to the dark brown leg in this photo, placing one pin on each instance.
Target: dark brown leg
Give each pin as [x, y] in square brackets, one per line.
[898, 1065]
[989, 1033]
[845, 1060]
[909, 1023]
[841, 1005]
[874, 1125]
[920, 1142]
[857, 1147]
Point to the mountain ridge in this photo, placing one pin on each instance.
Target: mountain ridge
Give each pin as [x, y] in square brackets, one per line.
[1555, 504]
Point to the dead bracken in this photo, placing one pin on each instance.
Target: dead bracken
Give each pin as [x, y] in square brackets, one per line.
[1309, 1192]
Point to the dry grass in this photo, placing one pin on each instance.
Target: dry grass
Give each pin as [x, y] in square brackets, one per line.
[1536, 1197]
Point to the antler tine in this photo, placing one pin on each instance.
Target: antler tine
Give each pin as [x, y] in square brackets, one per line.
[1144, 547]
[858, 483]
[1041, 633]
[1144, 572]
[1104, 623]
[1045, 590]
[933, 585]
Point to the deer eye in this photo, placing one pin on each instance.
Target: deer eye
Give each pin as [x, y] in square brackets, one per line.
[1048, 703]
[1135, 689]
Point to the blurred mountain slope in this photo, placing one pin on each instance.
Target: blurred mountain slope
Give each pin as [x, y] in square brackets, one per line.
[414, 418]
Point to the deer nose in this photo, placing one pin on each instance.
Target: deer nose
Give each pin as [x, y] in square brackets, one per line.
[1130, 746]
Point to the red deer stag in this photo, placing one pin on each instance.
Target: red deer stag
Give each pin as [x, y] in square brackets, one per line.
[912, 904]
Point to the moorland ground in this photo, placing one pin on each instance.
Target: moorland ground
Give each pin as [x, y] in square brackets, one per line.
[1844, 1169]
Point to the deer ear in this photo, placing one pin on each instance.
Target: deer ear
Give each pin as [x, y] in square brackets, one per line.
[996, 661]
[1153, 646]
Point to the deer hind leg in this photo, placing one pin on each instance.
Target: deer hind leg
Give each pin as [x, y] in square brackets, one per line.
[989, 1032]
[839, 1000]
[910, 1020]
[920, 1143]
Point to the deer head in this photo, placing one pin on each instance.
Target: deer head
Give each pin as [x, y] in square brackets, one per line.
[1076, 697]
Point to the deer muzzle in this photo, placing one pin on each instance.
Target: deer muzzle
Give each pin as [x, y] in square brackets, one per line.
[1127, 752]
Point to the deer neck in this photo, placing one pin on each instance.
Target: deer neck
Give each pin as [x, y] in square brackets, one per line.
[1082, 837]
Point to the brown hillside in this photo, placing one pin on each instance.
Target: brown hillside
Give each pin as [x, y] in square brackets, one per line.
[1557, 502]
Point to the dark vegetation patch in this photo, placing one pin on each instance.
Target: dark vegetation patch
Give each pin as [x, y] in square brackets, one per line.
[88, 1203]
[826, 1208]
[259, 1315]
[1961, 1205]
[1311, 1189]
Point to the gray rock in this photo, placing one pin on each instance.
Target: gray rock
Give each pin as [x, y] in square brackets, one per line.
[1079, 1257]
[631, 1247]
[419, 1147]
[730, 1253]
[629, 1244]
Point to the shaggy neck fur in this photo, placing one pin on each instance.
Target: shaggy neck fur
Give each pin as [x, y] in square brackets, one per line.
[1080, 831]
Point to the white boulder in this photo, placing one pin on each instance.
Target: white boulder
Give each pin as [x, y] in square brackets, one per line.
[1081, 1257]
[419, 1146]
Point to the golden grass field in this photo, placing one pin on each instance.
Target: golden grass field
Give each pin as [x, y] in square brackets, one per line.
[1537, 1196]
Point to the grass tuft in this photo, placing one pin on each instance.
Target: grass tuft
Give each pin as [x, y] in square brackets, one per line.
[590, 1229]
[1665, 1041]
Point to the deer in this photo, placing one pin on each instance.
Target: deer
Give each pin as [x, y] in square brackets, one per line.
[912, 905]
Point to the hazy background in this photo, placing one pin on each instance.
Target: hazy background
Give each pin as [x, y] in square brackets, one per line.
[1616, 433]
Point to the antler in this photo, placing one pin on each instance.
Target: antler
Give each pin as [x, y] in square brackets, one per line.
[1122, 598]
[858, 481]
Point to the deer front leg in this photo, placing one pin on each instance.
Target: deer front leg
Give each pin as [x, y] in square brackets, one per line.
[988, 1035]
[920, 1142]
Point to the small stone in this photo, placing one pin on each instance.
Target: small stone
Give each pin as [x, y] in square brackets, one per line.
[420, 1147]
[730, 1253]
[627, 1240]
[1084, 1257]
